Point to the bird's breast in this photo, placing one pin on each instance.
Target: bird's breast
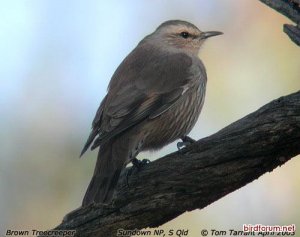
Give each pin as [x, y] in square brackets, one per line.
[177, 121]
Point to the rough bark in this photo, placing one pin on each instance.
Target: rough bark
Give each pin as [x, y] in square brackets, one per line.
[291, 9]
[293, 32]
[200, 174]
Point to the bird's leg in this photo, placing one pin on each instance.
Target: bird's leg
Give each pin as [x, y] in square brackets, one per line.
[136, 166]
[186, 141]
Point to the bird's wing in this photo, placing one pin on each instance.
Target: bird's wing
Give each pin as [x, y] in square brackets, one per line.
[147, 106]
[96, 123]
[145, 85]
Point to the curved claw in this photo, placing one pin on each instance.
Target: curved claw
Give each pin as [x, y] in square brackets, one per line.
[180, 145]
[139, 163]
[186, 141]
[136, 166]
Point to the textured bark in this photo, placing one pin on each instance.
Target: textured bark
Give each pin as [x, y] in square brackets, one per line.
[200, 174]
[293, 32]
[291, 9]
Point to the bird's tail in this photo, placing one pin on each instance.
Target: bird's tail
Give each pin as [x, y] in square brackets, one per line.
[110, 162]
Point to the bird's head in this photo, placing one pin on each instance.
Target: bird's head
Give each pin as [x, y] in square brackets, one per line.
[181, 35]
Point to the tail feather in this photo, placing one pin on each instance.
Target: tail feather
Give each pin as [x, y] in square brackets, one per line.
[89, 141]
[110, 163]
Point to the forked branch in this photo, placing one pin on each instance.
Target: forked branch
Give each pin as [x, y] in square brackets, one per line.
[291, 9]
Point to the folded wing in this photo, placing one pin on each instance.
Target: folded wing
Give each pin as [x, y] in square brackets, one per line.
[146, 84]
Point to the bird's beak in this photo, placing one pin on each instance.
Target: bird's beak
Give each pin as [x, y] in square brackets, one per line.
[208, 34]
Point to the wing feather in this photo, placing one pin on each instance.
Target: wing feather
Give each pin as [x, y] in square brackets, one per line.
[141, 88]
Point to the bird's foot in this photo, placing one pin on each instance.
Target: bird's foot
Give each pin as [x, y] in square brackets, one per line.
[186, 141]
[136, 166]
[139, 163]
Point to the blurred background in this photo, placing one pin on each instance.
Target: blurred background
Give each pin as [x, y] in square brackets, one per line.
[57, 58]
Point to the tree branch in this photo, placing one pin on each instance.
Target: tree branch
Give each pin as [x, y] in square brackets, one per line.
[293, 32]
[200, 174]
[291, 9]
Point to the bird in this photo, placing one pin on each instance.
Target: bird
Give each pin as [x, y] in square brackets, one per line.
[154, 97]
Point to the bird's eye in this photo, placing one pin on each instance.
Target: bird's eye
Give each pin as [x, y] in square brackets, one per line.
[184, 34]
